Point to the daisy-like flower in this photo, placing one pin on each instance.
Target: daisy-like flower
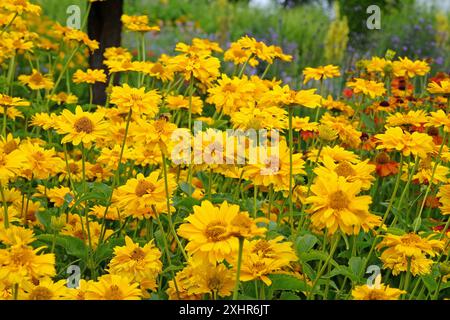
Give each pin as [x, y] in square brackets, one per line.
[212, 278]
[64, 98]
[211, 231]
[19, 263]
[271, 166]
[377, 64]
[138, 23]
[21, 6]
[89, 76]
[409, 251]
[139, 194]
[140, 264]
[40, 163]
[138, 100]
[361, 171]
[405, 67]
[336, 205]
[308, 98]
[437, 119]
[443, 87]
[81, 127]
[181, 102]
[113, 287]
[231, 94]
[320, 73]
[370, 88]
[37, 81]
[7, 101]
[383, 292]
[46, 289]
[416, 143]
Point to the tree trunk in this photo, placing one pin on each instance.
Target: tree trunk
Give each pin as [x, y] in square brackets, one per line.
[105, 26]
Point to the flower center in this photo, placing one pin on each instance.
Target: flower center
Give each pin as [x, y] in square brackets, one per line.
[113, 293]
[10, 146]
[36, 78]
[143, 187]
[382, 158]
[214, 283]
[84, 124]
[137, 254]
[344, 169]
[339, 200]
[41, 293]
[262, 247]
[216, 231]
[375, 295]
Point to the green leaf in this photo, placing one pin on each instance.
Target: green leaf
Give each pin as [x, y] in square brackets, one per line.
[187, 188]
[396, 231]
[287, 282]
[44, 217]
[313, 255]
[73, 246]
[356, 264]
[430, 282]
[305, 243]
[286, 295]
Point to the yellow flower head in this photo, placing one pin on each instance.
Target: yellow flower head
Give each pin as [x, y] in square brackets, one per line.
[81, 127]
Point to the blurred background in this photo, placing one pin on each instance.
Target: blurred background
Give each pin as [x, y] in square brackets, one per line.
[314, 32]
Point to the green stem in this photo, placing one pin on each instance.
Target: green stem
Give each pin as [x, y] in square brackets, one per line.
[238, 268]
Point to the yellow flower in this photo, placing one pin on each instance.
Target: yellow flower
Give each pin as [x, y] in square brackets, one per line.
[444, 199]
[64, 98]
[257, 267]
[408, 68]
[380, 65]
[437, 119]
[19, 263]
[409, 250]
[274, 249]
[321, 73]
[336, 205]
[40, 163]
[138, 100]
[180, 102]
[80, 292]
[15, 235]
[137, 23]
[271, 166]
[138, 195]
[416, 143]
[10, 164]
[37, 81]
[204, 68]
[361, 171]
[141, 265]
[21, 6]
[207, 231]
[231, 94]
[7, 101]
[384, 292]
[412, 244]
[367, 87]
[46, 289]
[113, 287]
[412, 118]
[81, 127]
[308, 98]
[212, 278]
[439, 88]
[89, 76]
